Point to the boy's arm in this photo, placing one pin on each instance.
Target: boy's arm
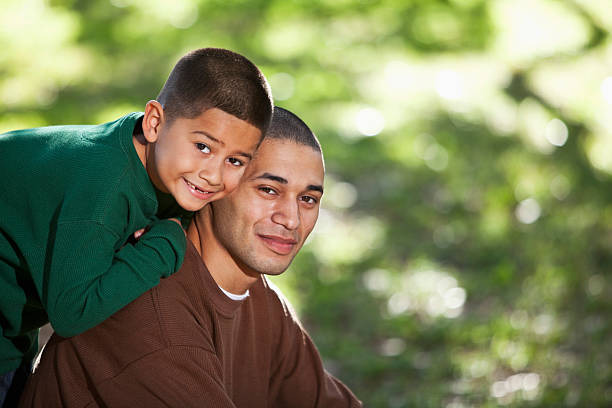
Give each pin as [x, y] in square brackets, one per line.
[85, 281]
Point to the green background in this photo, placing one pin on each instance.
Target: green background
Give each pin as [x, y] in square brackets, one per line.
[462, 257]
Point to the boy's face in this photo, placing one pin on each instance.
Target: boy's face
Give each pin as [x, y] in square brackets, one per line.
[198, 160]
[264, 223]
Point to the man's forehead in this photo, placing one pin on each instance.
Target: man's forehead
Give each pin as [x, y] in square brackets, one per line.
[293, 162]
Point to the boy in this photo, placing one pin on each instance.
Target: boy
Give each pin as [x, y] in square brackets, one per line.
[71, 196]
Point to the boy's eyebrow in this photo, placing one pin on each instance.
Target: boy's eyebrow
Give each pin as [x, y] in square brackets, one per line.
[279, 179]
[214, 139]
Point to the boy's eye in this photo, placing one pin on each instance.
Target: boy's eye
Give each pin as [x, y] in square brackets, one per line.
[202, 147]
[236, 162]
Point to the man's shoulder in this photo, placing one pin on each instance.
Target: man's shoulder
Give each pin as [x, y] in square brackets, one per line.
[165, 316]
[162, 317]
[185, 314]
[276, 299]
[279, 311]
[106, 349]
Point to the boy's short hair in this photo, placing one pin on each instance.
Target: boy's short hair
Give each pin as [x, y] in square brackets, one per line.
[287, 126]
[217, 78]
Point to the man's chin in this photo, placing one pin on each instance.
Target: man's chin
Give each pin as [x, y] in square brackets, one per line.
[272, 267]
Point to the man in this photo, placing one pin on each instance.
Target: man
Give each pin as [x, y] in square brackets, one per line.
[216, 333]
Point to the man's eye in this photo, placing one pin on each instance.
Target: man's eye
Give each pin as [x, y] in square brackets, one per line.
[202, 147]
[236, 162]
[267, 190]
[309, 200]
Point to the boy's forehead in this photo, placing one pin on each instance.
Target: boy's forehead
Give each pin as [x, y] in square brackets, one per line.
[292, 161]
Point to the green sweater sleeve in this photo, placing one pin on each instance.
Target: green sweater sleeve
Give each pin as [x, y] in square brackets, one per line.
[85, 283]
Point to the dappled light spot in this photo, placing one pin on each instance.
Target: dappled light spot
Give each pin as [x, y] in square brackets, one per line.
[392, 347]
[501, 115]
[606, 89]
[399, 303]
[454, 298]
[522, 386]
[178, 13]
[289, 38]
[479, 368]
[533, 118]
[528, 211]
[377, 280]
[341, 195]
[560, 187]
[436, 157]
[556, 132]
[523, 36]
[595, 285]
[449, 84]
[369, 121]
[121, 3]
[428, 293]
[543, 324]
[519, 319]
[399, 76]
[340, 239]
[598, 149]
[525, 188]
[282, 85]
[499, 389]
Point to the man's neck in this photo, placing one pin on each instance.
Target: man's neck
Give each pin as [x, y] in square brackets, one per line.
[222, 267]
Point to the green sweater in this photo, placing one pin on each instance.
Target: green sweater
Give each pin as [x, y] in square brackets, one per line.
[70, 198]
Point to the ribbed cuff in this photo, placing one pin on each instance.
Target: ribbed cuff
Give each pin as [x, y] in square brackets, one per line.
[174, 234]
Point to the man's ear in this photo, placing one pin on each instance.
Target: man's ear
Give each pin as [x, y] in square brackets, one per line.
[152, 121]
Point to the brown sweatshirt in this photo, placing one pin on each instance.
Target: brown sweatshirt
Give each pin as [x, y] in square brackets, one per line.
[185, 343]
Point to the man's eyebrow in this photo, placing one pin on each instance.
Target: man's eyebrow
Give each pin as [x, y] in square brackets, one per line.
[272, 177]
[282, 180]
[317, 187]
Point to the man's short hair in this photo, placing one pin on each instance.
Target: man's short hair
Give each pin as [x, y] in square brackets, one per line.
[287, 126]
[217, 78]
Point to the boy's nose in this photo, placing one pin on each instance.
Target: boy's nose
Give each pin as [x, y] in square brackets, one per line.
[212, 173]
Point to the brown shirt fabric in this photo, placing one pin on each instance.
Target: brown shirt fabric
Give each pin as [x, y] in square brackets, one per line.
[185, 343]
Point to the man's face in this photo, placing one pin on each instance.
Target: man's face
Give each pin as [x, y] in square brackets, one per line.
[265, 221]
[202, 159]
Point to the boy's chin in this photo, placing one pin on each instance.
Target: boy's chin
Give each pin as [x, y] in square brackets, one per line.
[196, 205]
[192, 207]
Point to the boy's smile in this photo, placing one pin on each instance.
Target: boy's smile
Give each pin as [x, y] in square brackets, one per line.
[197, 160]
[198, 192]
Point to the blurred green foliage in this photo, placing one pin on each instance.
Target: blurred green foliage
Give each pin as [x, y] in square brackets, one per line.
[463, 255]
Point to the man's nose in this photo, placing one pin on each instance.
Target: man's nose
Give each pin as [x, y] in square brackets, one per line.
[287, 214]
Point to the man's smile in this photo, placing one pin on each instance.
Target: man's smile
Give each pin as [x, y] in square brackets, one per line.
[280, 245]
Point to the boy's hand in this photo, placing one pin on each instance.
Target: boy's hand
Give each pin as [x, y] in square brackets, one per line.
[139, 233]
[179, 223]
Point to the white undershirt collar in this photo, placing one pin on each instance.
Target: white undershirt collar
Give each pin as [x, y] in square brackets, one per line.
[234, 296]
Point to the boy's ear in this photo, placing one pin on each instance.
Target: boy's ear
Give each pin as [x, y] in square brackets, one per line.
[152, 121]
